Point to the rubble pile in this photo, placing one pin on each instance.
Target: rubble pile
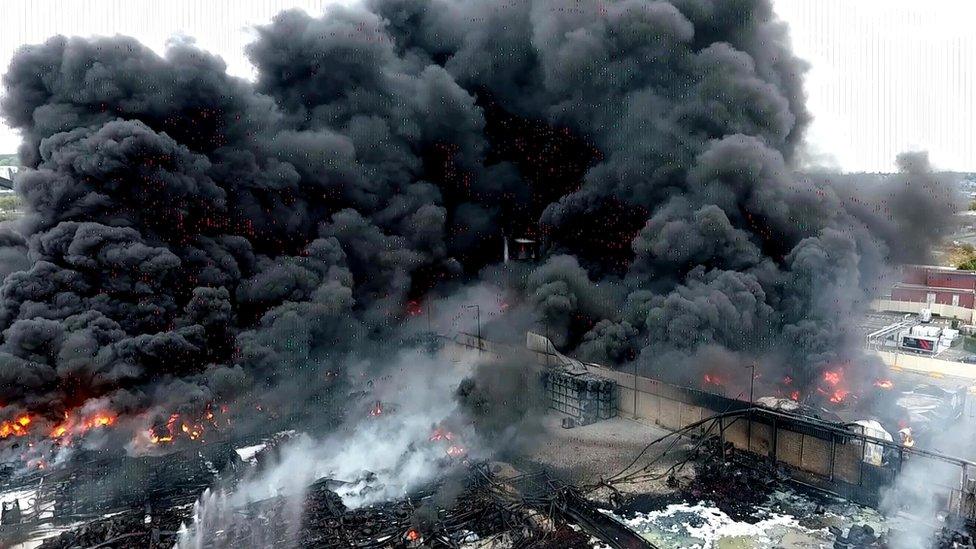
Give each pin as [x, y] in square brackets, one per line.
[859, 536]
[735, 487]
[99, 482]
[485, 510]
[134, 529]
[953, 538]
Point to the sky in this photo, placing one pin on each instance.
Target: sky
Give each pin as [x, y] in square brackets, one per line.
[885, 76]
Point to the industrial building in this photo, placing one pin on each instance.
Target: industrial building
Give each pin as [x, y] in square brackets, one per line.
[942, 291]
[936, 285]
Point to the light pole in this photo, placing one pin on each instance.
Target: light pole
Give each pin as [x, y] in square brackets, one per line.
[477, 310]
[635, 389]
[752, 399]
[752, 384]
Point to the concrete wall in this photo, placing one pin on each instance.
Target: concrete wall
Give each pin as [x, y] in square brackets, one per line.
[932, 367]
[666, 405]
[822, 455]
[816, 454]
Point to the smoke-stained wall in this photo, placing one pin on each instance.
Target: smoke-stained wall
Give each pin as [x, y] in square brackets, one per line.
[194, 238]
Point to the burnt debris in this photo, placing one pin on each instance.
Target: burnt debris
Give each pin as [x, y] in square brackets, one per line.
[486, 508]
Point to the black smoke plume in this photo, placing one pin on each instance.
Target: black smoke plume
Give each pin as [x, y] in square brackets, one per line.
[194, 239]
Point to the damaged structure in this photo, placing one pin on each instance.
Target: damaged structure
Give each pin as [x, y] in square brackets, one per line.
[206, 262]
[809, 448]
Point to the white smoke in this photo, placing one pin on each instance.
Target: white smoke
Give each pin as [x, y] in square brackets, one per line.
[921, 490]
[379, 456]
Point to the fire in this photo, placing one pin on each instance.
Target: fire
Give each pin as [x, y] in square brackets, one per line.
[192, 431]
[101, 420]
[795, 395]
[412, 535]
[414, 308]
[454, 449]
[72, 425]
[712, 379]
[839, 395]
[159, 438]
[185, 427]
[376, 409]
[16, 428]
[441, 434]
[833, 378]
[905, 435]
[884, 384]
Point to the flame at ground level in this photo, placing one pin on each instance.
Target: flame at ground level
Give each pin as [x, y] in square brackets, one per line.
[16, 428]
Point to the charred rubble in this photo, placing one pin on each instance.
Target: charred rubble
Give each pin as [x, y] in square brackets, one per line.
[485, 508]
[195, 242]
[150, 495]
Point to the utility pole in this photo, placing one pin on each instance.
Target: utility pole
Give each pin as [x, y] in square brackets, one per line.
[635, 389]
[752, 399]
[477, 310]
[752, 384]
[548, 343]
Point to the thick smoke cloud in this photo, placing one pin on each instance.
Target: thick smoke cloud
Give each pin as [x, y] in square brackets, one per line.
[193, 238]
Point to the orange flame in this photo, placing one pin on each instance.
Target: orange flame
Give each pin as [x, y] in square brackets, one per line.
[839, 395]
[795, 395]
[415, 308]
[832, 378]
[441, 434]
[185, 427]
[16, 428]
[455, 451]
[884, 384]
[71, 426]
[158, 438]
[377, 409]
[412, 535]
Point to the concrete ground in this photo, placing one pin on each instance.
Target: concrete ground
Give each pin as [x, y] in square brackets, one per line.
[584, 455]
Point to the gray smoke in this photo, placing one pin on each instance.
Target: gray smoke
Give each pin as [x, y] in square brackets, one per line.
[194, 239]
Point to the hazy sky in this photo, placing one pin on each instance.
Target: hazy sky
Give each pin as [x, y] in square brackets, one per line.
[886, 75]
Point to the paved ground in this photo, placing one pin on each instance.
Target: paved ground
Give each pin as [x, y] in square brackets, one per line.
[582, 455]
